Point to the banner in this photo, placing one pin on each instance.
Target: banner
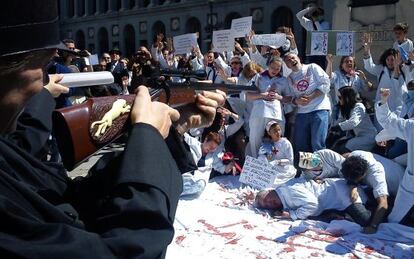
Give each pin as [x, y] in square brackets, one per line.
[241, 26]
[275, 40]
[257, 173]
[338, 43]
[184, 43]
[223, 41]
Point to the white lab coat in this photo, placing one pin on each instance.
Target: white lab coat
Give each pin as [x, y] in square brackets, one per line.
[361, 125]
[303, 198]
[403, 129]
[331, 166]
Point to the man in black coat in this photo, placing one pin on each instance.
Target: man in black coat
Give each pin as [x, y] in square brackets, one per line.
[125, 207]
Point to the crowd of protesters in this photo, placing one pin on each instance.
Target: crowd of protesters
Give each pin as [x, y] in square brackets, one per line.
[307, 119]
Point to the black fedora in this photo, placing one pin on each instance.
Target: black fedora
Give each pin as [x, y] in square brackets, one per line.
[28, 25]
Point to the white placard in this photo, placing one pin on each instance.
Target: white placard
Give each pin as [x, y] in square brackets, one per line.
[319, 44]
[93, 60]
[275, 40]
[344, 43]
[223, 41]
[184, 43]
[257, 173]
[241, 26]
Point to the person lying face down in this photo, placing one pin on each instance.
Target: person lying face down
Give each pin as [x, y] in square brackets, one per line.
[301, 199]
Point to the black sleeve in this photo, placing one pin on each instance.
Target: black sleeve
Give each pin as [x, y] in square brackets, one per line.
[180, 151]
[135, 212]
[34, 125]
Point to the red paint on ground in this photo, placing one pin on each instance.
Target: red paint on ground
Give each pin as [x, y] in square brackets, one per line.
[179, 239]
[226, 235]
[289, 249]
[248, 226]
[234, 224]
[264, 238]
[368, 250]
[315, 254]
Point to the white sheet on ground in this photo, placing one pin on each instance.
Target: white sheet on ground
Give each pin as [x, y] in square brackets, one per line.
[222, 223]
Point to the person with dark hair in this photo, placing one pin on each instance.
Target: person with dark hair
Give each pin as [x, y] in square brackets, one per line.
[309, 85]
[300, 199]
[387, 72]
[125, 208]
[354, 122]
[361, 167]
[402, 44]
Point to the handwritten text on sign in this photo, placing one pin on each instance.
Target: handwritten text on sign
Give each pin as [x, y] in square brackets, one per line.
[241, 26]
[184, 43]
[275, 40]
[223, 41]
[258, 174]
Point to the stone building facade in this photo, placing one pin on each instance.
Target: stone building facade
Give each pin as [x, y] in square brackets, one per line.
[99, 25]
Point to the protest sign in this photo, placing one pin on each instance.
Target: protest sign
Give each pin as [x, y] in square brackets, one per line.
[338, 43]
[344, 43]
[275, 40]
[93, 60]
[257, 173]
[241, 26]
[319, 43]
[223, 41]
[184, 43]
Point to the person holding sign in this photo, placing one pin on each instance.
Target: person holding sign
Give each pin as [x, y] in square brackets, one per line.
[310, 87]
[277, 151]
[300, 199]
[271, 85]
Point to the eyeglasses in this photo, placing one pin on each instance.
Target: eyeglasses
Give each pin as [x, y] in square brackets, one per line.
[235, 63]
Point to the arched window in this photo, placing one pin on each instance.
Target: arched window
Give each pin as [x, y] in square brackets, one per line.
[80, 40]
[229, 18]
[103, 45]
[282, 16]
[157, 28]
[129, 40]
[193, 25]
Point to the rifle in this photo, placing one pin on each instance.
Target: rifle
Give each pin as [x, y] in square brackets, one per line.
[72, 125]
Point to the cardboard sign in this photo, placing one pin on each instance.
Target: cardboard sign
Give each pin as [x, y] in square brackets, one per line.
[319, 44]
[344, 43]
[257, 173]
[275, 40]
[338, 43]
[241, 26]
[184, 43]
[223, 41]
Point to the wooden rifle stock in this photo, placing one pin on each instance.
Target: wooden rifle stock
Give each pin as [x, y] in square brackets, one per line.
[72, 125]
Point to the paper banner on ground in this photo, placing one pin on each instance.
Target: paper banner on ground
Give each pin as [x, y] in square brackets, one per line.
[241, 26]
[275, 40]
[184, 43]
[319, 44]
[344, 43]
[223, 41]
[257, 173]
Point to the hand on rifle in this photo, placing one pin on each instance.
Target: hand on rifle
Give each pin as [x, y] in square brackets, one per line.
[156, 114]
[54, 88]
[201, 113]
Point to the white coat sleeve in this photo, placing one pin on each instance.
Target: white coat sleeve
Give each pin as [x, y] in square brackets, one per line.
[245, 59]
[370, 66]
[355, 118]
[259, 59]
[196, 64]
[307, 205]
[399, 127]
[324, 83]
[219, 60]
[233, 128]
[306, 23]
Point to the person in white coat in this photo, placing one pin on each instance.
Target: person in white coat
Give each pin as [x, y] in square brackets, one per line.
[272, 86]
[301, 199]
[404, 129]
[354, 122]
[278, 152]
[388, 74]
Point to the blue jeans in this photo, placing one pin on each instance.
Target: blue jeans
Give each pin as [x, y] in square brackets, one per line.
[311, 130]
[398, 148]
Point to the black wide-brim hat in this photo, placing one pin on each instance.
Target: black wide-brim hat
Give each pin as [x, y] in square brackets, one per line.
[29, 25]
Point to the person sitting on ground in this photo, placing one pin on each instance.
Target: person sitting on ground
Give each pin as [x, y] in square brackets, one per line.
[300, 199]
[278, 152]
[354, 124]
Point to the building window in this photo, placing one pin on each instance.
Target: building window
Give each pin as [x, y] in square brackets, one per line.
[91, 7]
[282, 16]
[81, 7]
[71, 8]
